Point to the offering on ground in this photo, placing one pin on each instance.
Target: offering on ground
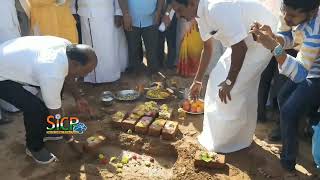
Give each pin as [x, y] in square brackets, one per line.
[193, 107]
[156, 127]
[170, 130]
[209, 160]
[117, 118]
[143, 125]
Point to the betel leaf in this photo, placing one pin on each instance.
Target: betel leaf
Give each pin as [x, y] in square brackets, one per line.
[205, 157]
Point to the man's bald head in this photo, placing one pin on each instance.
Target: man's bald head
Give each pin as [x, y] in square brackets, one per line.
[82, 59]
[81, 53]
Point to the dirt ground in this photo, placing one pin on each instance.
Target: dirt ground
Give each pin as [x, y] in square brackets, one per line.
[172, 159]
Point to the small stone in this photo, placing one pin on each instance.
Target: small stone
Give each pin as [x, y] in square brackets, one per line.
[134, 157]
[119, 165]
[109, 175]
[151, 160]
[119, 170]
[148, 164]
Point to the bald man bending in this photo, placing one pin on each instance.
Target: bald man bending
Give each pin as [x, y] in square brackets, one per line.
[48, 63]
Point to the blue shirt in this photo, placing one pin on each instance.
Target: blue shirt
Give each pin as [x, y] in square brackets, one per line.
[142, 12]
[307, 63]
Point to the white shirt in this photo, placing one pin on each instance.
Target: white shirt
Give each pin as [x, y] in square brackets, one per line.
[9, 24]
[38, 61]
[96, 8]
[229, 21]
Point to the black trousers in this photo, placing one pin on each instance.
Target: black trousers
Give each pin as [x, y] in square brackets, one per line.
[171, 36]
[34, 111]
[150, 36]
[271, 72]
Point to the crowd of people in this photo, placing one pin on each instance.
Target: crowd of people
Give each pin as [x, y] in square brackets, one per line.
[257, 52]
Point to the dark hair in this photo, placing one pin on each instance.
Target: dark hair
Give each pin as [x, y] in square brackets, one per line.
[77, 54]
[302, 5]
[183, 2]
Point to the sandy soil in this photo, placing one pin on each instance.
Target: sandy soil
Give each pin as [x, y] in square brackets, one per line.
[173, 160]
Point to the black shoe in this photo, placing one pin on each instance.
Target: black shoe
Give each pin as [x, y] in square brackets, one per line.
[42, 157]
[275, 134]
[52, 137]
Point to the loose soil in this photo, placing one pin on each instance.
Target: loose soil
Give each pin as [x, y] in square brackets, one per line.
[172, 159]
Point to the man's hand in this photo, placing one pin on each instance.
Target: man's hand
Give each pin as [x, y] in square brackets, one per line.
[127, 22]
[224, 92]
[195, 90]
[264, 38]
[157, 18]
[166, 20]
[118, 21]
[83, 106]
[265, 28]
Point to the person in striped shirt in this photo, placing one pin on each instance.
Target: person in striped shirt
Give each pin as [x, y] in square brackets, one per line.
[302, 92]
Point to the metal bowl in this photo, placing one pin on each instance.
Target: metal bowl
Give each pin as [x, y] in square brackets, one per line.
[107, 98]
[127, 95]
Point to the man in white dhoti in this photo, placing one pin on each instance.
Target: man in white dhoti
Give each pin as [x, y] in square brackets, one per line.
[99, 31]
[231, 96]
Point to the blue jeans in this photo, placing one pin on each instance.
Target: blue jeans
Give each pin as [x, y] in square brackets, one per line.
[294, 101]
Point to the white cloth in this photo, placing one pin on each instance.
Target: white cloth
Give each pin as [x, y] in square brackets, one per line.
[38, 61]
[109, 44]
[73, 7]
[230, 127]
[9, 26]
[96, 8]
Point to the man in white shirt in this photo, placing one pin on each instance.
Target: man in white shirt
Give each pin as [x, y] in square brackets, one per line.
[49, 63]
[231, 97]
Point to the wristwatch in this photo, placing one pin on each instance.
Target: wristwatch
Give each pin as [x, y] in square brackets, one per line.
[228, 82]
[278, 50]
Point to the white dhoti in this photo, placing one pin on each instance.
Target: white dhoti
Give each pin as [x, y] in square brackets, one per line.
[230, 127]
[100, 33]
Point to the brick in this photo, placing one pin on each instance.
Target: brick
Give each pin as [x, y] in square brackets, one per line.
[166, 114]
[93, 143]
[129, 124]
[170, 130]
[143, 125]
[156, 127]
[117, 118]
[218, 161]
[153, 114]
